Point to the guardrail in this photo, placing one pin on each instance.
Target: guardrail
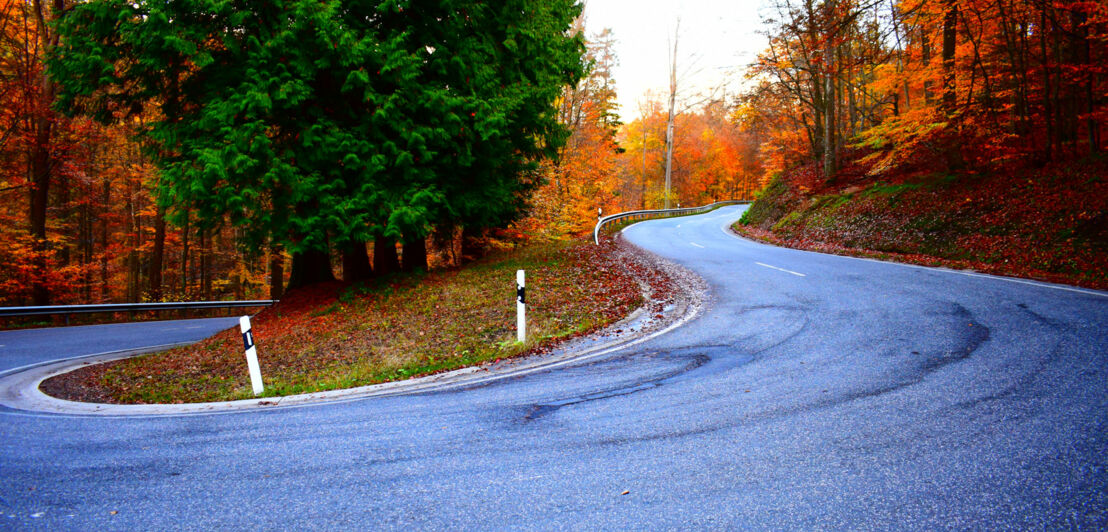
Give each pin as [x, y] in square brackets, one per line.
[642, 215]
[67, 310]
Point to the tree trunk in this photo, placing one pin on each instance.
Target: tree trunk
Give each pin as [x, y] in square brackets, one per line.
[830, 131]
[310, 267]
[133, 273]
[950, 94]
[385, 261]
[205, 264]
[925, 57]
[355, 263]
[41, 161]
[157, 256]
[472, 246]
[443, 238]
[1085, 55]
[642, 186]
[185, 256]
[415, 255]
[276, 272]
[670, 119]
[86, 252]
[105, 199]
[950, 35]
[1048, 100]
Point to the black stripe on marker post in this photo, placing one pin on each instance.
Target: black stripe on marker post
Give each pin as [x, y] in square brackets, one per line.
[521, 294]
[247, 340]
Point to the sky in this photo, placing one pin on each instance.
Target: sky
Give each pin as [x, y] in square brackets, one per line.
[717, 40]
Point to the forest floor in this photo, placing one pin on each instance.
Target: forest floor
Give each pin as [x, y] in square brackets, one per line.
[1049, 223]
[339, 335]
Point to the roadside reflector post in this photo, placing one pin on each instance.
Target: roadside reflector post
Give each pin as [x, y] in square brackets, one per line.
[251, 355]
[521, 307]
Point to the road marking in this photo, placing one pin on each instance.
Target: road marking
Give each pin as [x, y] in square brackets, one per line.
[161, 347]
[348, 395]
[697, 245]
[780, 269]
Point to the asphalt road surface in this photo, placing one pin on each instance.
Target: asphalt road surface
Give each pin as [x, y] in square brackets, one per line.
[813, 392]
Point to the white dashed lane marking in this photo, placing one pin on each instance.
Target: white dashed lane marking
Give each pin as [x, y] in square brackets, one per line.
[780, 269]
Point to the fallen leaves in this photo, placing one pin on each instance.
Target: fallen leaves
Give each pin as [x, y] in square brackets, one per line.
[1029, 223]
[334, 335]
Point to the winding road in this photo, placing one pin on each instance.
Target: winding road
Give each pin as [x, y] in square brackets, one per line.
[812, 392]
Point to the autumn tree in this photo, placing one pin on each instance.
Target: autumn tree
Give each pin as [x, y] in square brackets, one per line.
[967, 81]
[584, 176]
[715, 157]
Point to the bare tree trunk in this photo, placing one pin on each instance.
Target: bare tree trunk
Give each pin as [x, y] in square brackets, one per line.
[642, 187]
[669, 120]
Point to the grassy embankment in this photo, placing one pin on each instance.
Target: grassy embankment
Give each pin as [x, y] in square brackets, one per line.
[1049, 224]
[342, 336]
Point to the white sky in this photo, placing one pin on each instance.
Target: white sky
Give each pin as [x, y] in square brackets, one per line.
[717, 40]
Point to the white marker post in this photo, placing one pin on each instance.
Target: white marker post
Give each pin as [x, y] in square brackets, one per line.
[521, 307]
[251, 355]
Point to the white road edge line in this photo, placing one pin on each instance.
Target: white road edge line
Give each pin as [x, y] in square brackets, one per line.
[798, 274]
[726, 228]
[697, 245]
[162, 347]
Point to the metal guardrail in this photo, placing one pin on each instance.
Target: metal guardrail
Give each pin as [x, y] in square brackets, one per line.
[129, 307]
[642, 215]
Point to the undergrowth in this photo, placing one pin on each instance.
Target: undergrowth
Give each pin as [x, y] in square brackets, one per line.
[1050, 223]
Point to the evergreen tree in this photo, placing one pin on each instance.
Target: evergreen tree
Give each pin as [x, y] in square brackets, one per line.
[329, 123]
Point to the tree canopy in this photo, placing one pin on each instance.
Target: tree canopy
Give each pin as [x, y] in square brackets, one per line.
[316, 124]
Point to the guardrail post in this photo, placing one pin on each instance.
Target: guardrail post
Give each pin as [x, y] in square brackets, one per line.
[251, 355]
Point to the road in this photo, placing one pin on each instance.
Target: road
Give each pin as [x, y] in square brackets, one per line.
[813, 392]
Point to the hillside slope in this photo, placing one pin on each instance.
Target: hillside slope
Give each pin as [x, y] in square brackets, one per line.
[334, 335]
[1049, 223]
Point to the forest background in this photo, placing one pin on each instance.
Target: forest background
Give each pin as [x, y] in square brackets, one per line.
[983, 86]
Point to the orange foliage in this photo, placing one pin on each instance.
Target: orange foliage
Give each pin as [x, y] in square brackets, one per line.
[100, 212]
